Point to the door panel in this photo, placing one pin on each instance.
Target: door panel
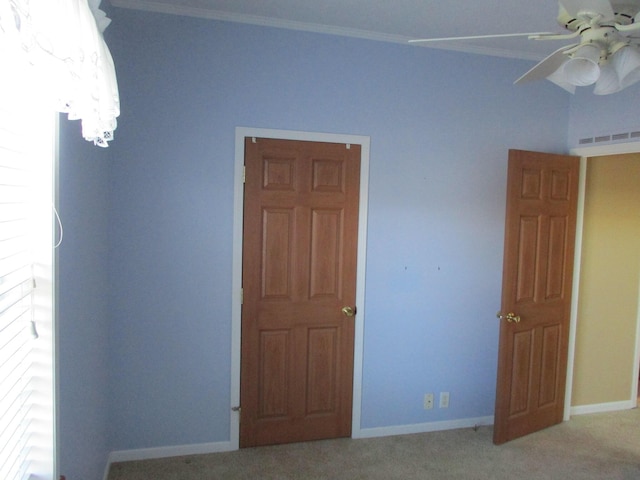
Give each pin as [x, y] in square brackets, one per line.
[299, 270]
[277, 230]
[273, 382]
[522, 374]
[537, 276]
[556, 255]
[321, 370]
[527, 256]
[549, 364]
[326, 232]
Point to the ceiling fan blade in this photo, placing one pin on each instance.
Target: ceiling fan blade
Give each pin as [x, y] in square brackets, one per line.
[477, 37]
[597, 7]
[546, 67]
[554, 36]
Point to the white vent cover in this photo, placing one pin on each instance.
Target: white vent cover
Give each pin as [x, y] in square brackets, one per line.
[615, 137]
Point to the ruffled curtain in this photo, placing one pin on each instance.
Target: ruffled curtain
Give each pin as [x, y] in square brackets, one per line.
[62, 46]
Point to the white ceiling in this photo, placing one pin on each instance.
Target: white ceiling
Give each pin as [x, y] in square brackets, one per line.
[390, 20]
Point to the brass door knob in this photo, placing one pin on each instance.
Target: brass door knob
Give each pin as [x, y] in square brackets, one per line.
[509, 317]
[349, 311]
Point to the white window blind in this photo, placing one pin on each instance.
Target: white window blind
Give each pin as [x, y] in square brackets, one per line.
[26, 266]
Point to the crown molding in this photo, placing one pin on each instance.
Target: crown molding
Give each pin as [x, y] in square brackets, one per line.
[211, 14]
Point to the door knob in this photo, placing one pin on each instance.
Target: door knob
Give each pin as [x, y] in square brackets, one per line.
[349, 311]
[509, 317]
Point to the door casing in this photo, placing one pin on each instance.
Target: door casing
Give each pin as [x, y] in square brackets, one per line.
[236, 308]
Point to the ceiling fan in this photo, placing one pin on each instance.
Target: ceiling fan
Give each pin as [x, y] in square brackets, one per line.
[607, 53]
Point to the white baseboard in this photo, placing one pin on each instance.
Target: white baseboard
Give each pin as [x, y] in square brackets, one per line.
[423, 427]
[217, 447]
[171, 451]
[603, 407]
[164, 452]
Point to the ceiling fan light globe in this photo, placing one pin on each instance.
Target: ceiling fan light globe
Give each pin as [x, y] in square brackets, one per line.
[630, 80]
[608, 81]
[582, 68]
[626, 63]
[581, 73]
[557, 77]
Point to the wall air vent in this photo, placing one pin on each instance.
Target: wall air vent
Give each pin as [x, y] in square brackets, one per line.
[620, 136]
[615, 137]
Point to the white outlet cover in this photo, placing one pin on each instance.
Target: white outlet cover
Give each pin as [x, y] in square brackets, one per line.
[428, 401]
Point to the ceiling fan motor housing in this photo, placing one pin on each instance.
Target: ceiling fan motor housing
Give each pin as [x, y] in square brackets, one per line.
[623, 15]
[603, 29]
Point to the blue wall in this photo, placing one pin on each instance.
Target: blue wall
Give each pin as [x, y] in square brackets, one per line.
[145, 268]
[440, 125]
[145, 271]
[82, 319]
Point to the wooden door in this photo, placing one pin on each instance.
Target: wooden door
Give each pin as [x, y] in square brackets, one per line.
[299, 273]
[540, 228]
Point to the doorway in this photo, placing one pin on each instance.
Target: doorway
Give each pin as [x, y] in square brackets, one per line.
[590, 340]
[363, 142]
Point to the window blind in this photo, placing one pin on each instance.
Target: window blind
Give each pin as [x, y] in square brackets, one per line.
[26, 300]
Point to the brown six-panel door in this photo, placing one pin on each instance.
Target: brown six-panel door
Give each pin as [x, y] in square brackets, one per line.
[542, 193]
[299, 272]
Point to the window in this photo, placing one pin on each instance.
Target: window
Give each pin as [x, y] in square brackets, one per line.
[27, 133]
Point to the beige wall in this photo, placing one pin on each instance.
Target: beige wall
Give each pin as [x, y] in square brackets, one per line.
[609, 282]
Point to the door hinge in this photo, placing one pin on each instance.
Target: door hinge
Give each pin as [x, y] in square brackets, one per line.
[242, 296]
[238, 410]
[244, 174]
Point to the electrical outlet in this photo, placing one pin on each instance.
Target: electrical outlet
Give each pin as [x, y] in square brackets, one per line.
[444, 399]
[428, 401]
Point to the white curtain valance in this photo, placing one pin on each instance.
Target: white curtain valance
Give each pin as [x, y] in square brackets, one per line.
[59, 43]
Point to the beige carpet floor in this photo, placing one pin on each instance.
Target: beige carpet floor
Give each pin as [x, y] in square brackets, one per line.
[598, 446]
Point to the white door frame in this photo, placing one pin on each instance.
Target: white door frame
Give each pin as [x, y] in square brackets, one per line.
[236, 308]
[585, 153]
